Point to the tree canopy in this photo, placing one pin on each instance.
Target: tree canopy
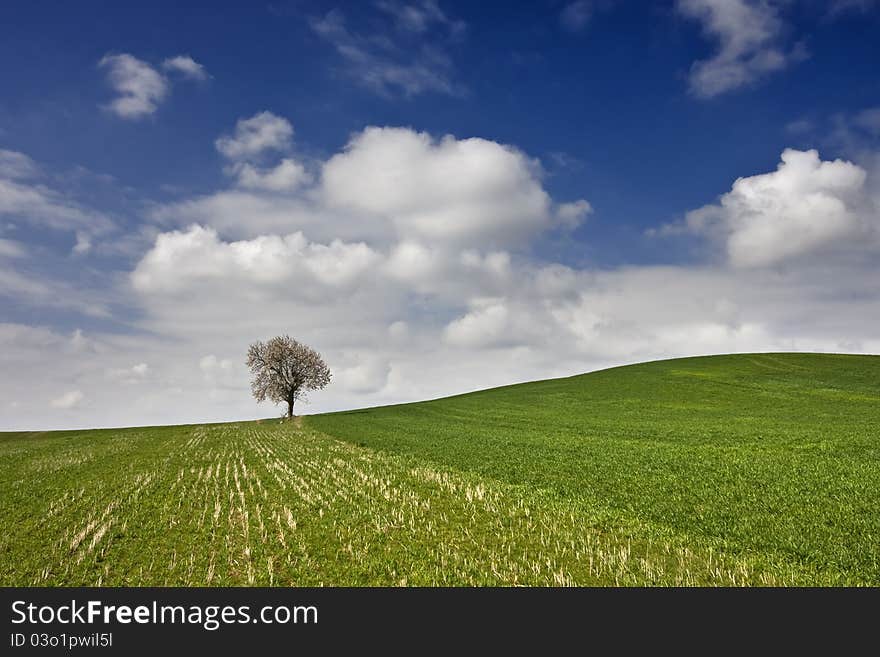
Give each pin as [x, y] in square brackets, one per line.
[285, 370]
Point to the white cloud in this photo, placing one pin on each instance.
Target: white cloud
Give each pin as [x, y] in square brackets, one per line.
[496, 263]
[14, 284]
[129, 375]
[414, 262]
[387, 343]
[285, 176]
[140, 87]
[389, 185]
[240, 213]
[418, 17]
[399, 330]
[432, 286]
[25, 198]
[575, 15]
[220, 373]
[15, 165]
[41, 205]
[68, 400]
[749, 33]
[805, 207]
[11, 249]
[186, 66]
[83, 243]
[210, 364]
[32, 210]
[263, 131]
[18, 339]
[44, 292]
[377, 63]
[370, 375]
[571, 215]
[484, 326]
[80, 343]
[180, 259]
[469, 191]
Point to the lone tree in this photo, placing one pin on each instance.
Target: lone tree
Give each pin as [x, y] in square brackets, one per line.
[284, 370]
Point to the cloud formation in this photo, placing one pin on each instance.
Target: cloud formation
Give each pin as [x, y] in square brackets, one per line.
[468, 191]
[806, 207]
[186, 66]
[749, 35]
[181, 260]
[254, 141]
[418, 17]
[68, 400]
[409, 261]
[262, 132]
[140, 87]
[405, 61]
[15, 165]
[25, 197]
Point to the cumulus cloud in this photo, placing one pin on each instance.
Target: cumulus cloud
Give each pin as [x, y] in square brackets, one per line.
[485, 325]
[805, 207]
[388, 185]
[469, 191]
[68, 400]
[139, 86]
[186, 66]
[287, 175]
[571, 215]
[253, 140]
[410, 262]
[180, 259]
[434, 291]
[265, 213]
[749, 34]
[262, 132]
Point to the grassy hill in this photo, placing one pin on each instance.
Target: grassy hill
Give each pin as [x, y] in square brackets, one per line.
[745, 469]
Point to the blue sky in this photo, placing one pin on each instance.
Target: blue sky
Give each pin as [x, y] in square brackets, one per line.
[594, 143]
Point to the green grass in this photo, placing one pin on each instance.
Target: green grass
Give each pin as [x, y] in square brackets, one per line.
[770, 456]
[749, 469]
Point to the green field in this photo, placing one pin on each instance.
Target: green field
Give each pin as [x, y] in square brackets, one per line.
[746, 469]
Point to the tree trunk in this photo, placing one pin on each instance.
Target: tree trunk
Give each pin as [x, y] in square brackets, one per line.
[289, 409]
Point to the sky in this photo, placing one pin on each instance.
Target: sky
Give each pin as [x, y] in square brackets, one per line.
[437, 196]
